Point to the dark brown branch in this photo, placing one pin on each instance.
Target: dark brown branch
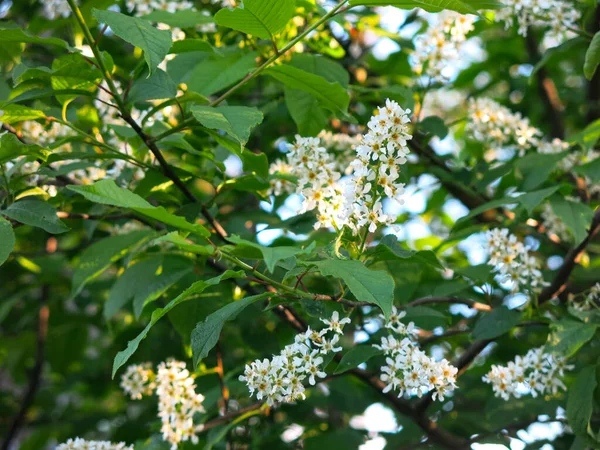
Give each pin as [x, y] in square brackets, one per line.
[231, 416]
[36, 372]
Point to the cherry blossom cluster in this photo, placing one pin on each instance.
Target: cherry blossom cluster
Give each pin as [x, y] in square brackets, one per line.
[82, 444]
[590, 301]
[554, 224]
[281, 378]
[537, 373]
[408, 370]
[513, 261]
[178, 401]
[557, 15]
[497, 126]
[55, 9]
[439, 48]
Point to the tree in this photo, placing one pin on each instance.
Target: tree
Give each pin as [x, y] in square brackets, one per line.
[240, 224]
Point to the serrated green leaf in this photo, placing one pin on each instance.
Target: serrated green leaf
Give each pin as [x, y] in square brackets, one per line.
[138, 32]
[36, 213]
[17, 35]
[107, 192]
[493, 324]
[576, 216]
[580, 402]
[435, 126]
[218, 72]
[261, 18]
[389, 249]
[355, 357]
[592, 57]
[18, 113]
[99, 256]
[569, 336]
[197, 288]
[271, 255]
[7, 240]
[236, 121]
[461, 6]
[11, 147]
[331, 96]
[373, 286]
[206, 334]
[179, 19]
[159, 85]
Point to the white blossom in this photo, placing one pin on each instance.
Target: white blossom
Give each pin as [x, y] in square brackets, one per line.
[82, 444]
[55, 9]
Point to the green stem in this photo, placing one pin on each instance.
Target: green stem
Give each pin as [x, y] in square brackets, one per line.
[186, 123]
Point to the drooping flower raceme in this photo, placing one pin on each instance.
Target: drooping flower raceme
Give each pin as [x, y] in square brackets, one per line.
[554, 224]
[497, 126]
[178, 401]
[55, 9]
[439, 47]
[281, 379]
[512, 261]
[82, 444]
[557, 15]
[408, 370]
[535, 373]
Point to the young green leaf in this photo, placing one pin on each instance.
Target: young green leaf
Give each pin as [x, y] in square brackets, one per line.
[580, 403]
[107, 192]
[592, 57]
[197, 288]
[99, 256]
[19, 113]
[373, 286]
[17, 35]
[11, 147]
[355, 357]
[261, 18]
[179, 19]
[576, 216]
[236, 121]
[570, 335]
[493, 324]
[389, 249]
[271, 255]
[206, 334]
[36, 213]
[138, 32]
[7, 240]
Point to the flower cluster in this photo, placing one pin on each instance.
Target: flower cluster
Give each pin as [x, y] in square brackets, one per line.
[339, 141]
[590, 300]
[512, 260]
[439, 47]
[281, 378]
[144, 7]
[82, 444]
[44, 136]
[177, 398]
[554, 224]
[557, 15]
[55, 9]
[497, 126]
[280, 185]
[408, 370]
[535, 373]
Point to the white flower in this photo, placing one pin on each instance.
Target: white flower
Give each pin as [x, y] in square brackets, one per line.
[82, 444]
[335, 324]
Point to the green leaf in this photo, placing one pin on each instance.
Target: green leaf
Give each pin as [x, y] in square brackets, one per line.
[7, 240]
[99, 256]
[576, 216]
[536, 168]
[261, 18]
[192, 45]
[11, 147]
[337, 439]
[236, 121]
[592, 57]
[331, 96]
[158, 86]
[140, 33]
[580, 402]
[19, 113]
[389, 249]
[426, 318]
[17, 35]
[531, 199]
[588, 137]
[206, 334]
[304, 108]
[435, 126]
[197, 288]
[461, 6]
[107, 192]
[256, 163]
[493, 324]
[219, 72]
[271, 255]
[355, 357]
[179, 19]
[36, 213]
[590, 170]
[176, 239]
[570, 335]
[373, 286]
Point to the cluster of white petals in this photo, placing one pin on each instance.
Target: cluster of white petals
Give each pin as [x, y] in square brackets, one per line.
[145, 7]
[281, 185]
[439, 47]
[537, 373]
[557, 15]
[281, 378]
[499, 127]
[590, 301]
[42, 135]
[513, 261]
[55, 9]
[408, 370]
[178, 401]
[339, 141]
[82, 444]
[554, 224]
